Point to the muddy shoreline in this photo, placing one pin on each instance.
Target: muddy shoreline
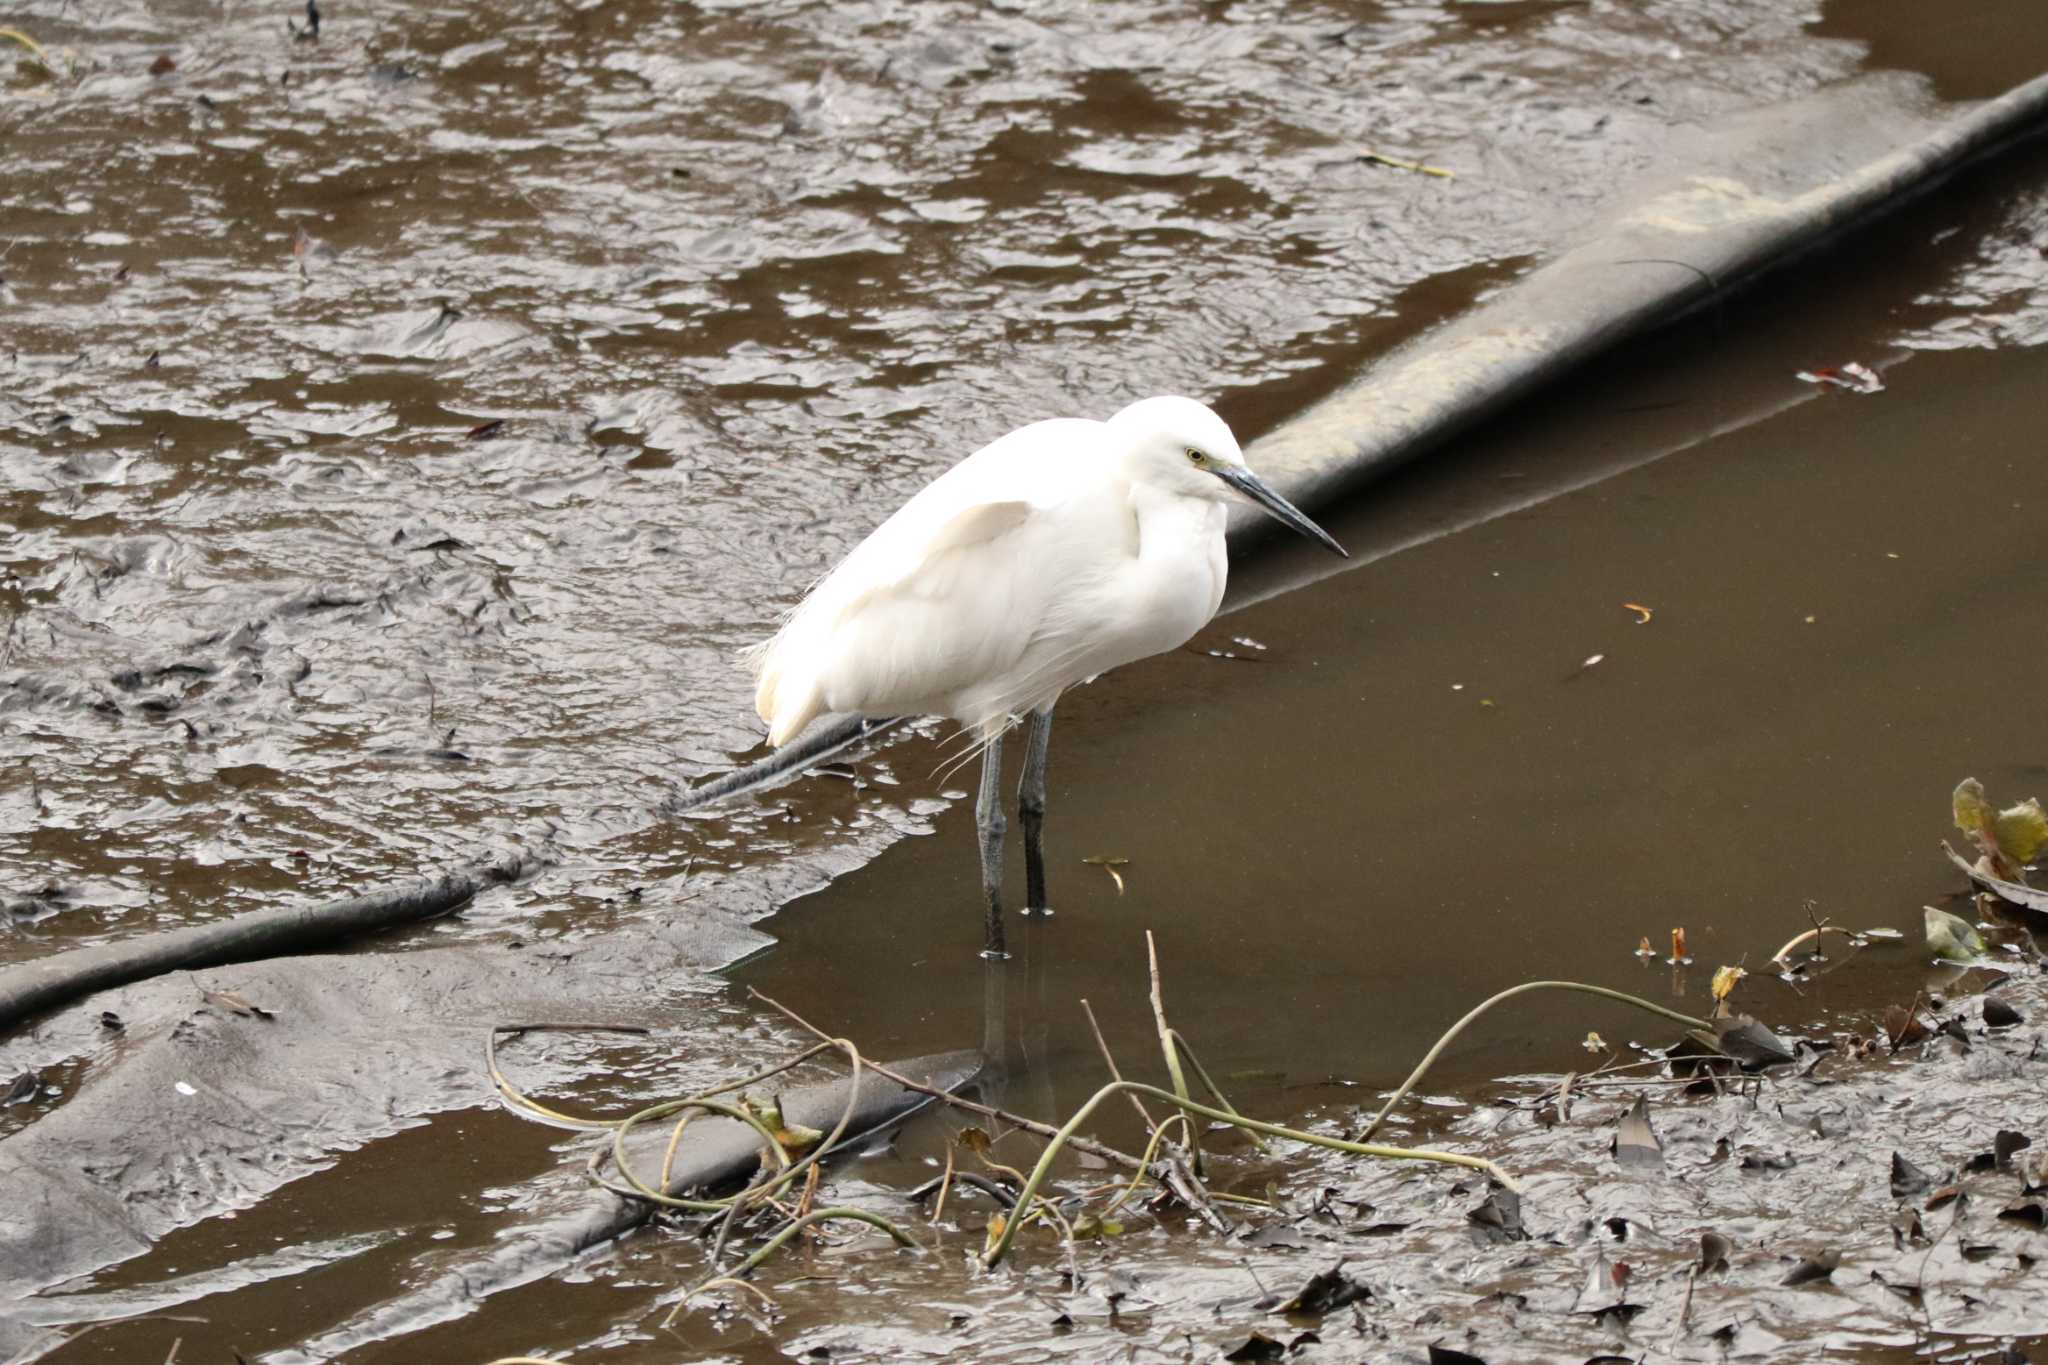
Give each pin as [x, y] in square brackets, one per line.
[386, 411]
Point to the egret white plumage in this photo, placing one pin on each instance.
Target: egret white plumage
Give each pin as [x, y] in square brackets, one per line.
[1047, 557]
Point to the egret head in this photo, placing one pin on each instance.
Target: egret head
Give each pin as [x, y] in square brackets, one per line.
[1179, 444]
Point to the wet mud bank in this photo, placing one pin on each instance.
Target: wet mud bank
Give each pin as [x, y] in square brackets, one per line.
[320, 589]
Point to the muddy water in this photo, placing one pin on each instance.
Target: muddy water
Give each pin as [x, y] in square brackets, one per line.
[1429, 793]
[735, 281]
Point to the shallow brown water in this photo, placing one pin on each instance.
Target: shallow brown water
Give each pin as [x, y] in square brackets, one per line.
[1426, 796]
[737, 280]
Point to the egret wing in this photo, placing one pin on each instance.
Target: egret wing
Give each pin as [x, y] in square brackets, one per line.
[963, 614]
[943, 595]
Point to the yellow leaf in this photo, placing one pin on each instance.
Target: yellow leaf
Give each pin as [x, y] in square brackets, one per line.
[1725, 979]
[2022, 831]
[795, 1138]
[1972, 811]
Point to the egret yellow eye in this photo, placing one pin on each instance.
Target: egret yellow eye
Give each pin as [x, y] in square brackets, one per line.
[1197, 457]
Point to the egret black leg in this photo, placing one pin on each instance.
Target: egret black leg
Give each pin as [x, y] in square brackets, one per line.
[988, 817]
[1031, 810]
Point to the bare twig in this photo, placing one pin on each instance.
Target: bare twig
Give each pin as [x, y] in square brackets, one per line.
[732, 1213]
[945, 1186]
[1151, 1124]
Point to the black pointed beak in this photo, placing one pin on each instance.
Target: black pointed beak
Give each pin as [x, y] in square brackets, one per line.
[1279, 508]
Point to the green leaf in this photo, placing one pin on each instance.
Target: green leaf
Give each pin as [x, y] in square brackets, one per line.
[1090, 1227]
[1953, 939]
[2022, 831]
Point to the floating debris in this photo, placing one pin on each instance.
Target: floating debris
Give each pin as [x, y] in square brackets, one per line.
[1110, 865]
[236, 1004]
[1403, 164]
[1852, 376]
[1950, 937]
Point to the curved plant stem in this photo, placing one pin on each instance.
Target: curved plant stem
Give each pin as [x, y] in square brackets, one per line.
[521, 1101]
[1429, 1060]
[1813, 933]
[1214, 1092]
[945, 1186]
[637, 1188]
[16, 35]
[675, 1141]
[1180, 1080]
[1151, 1151]
[703, 1103]
[1246, 1200]
[1067, 1130]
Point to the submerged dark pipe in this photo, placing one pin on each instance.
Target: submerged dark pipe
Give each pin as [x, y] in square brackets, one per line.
[715, 1154]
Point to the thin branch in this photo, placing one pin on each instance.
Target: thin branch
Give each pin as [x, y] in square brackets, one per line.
[1151, 1124]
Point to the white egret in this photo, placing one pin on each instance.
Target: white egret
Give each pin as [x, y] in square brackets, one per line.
[1049, 556]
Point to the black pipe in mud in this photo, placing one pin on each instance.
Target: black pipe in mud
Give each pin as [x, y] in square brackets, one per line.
[29, 988]
[715, 1153]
